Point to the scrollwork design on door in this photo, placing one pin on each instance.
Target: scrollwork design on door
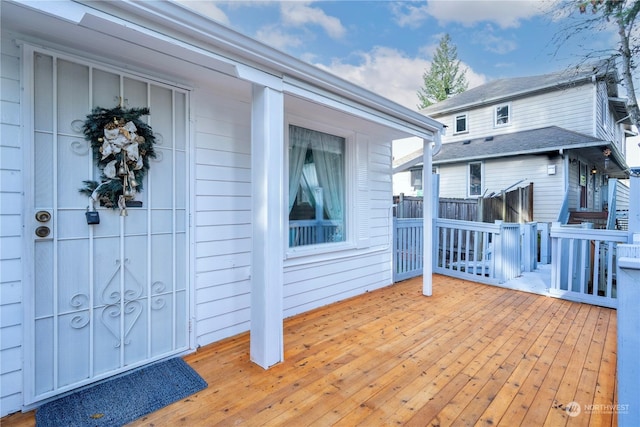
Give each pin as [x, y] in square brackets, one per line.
[158, 301]
[80, 302]
[121, 306]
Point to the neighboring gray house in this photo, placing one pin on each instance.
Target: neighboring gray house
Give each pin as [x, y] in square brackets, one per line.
[564, 132]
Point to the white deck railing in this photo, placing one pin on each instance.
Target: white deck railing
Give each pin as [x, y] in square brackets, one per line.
[483, 252]
[408, 248]
[311, 232]
[583, 265]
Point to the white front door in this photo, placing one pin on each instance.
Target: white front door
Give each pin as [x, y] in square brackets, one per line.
[107, 297]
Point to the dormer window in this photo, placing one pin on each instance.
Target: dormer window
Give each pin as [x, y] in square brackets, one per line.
[460, 125]
[503, 115]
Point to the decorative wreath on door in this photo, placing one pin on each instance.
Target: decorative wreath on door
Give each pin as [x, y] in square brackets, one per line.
[122, 145]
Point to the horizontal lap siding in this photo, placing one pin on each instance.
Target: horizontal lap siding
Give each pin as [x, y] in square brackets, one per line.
[11, 183]
[380, 191]
[570, 109]
[548, 190]
[453, 181]
[222, 215]
[313, 284]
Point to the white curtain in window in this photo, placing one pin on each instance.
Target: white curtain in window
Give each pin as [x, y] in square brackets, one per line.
[300, 139]
[309, 181]
[328, 158]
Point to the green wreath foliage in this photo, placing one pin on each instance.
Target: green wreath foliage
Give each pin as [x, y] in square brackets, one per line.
[109, 189]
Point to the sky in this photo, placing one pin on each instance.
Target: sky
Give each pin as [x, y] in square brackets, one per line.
[386, 46]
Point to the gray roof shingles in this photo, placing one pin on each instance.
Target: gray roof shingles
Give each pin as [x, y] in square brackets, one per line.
[541, 140]
[497, 90]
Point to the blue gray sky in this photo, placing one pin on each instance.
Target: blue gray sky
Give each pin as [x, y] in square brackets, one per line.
[385, 46]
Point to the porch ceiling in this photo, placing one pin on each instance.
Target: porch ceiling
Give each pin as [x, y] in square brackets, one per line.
[90, 37]
[594, 156]
[470, 354]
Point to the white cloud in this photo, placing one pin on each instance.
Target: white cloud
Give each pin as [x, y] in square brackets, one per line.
[506, 14]
[390, 73]
[494, 43]
[273, 36]
[299, 14]
[206, 8]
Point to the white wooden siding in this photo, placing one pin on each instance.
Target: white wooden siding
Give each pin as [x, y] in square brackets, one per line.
[11, 200]
[622, 195]
[223, 223]
[319, 280]
[402, 184]
[222, 214]
[453, 180]
[570, 109]
[605, 121]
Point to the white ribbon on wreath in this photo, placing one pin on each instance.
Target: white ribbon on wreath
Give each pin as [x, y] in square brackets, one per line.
[119, 138]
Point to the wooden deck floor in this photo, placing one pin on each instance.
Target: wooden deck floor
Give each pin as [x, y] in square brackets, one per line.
[469, 355]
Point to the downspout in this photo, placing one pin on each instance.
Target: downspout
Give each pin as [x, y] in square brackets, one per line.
[595, 105]
[430, 149]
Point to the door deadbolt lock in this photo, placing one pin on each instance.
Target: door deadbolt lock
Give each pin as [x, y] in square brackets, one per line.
[43, 231]
[43, 216]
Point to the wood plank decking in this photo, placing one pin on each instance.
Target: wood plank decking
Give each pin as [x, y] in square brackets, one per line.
[469, 355]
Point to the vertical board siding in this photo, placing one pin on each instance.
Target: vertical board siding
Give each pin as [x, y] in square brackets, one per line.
[11, 183]
[222, 215]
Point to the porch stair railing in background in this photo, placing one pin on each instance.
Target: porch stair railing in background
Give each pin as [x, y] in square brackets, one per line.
[583, 265]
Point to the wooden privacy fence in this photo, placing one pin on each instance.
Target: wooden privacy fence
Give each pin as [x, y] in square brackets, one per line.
[510, 206]
[411, 207]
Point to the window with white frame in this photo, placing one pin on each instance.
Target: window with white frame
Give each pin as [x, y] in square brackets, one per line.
[461, 123]
[475, 179]
[503, 115]
[416, 178]
[317, 187]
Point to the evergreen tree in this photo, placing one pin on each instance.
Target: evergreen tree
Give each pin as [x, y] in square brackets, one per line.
[444, 78]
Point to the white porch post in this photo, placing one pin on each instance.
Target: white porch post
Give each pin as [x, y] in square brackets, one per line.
[628, 316]
[428, 214]
[268, 201]
[634, 205]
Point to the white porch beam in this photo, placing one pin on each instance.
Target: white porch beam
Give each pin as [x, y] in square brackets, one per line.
[267, 177]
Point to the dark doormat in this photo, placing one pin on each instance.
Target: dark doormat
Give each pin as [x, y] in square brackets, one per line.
[123, 399]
